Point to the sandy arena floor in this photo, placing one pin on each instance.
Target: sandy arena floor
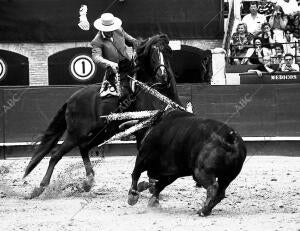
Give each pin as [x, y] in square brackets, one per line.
[265, 196]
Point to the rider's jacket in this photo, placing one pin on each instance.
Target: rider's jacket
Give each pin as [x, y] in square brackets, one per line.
[105, 50]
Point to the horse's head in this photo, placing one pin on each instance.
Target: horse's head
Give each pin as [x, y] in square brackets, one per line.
[153, 56]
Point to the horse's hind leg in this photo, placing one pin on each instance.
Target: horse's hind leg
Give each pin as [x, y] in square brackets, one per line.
[159, 186]
[66, 146]
[88, 183]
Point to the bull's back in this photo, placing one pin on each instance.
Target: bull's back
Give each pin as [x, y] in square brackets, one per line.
[173, 144]
[177, 141]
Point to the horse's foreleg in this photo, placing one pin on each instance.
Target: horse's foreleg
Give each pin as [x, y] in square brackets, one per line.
[88, 183]
[66, 146]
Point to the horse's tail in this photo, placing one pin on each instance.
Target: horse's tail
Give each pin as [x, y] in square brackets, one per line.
[49, 139]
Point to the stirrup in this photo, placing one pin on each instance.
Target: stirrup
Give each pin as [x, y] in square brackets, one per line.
[107, 89]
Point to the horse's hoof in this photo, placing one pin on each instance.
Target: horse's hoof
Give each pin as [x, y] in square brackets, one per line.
[153, 202]
[152, 189]
[203, 212]
[37, 191]
[133, 197]
[142, 186]
[88, 184]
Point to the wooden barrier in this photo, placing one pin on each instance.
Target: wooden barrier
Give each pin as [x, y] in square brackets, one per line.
[254, 110]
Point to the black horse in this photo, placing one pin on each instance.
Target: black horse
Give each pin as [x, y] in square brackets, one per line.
[181, 144]
[79, 116]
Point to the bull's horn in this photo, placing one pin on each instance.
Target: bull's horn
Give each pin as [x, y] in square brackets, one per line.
[128, 124]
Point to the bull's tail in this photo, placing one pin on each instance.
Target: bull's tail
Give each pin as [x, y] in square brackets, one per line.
[49, 139]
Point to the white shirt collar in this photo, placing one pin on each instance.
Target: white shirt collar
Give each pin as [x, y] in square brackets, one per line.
[103, 35]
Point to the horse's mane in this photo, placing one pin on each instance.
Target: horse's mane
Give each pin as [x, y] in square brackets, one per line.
[143, 53]
[144, 47]
[142, 63]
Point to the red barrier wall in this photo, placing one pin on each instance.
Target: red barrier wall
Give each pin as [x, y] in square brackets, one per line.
[254, 110]
[2, 131]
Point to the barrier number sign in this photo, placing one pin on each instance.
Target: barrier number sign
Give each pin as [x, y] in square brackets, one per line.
[3, 69]
[82, 67]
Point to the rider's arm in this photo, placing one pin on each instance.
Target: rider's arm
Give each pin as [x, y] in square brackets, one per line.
[98, 57]
[129, 40]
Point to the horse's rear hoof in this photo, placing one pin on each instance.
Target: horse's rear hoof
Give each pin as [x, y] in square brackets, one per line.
[133, 197]
[142, 186]
[152, 189]
[37, 191]
[153, 202]
[88, 184]
[204, 212]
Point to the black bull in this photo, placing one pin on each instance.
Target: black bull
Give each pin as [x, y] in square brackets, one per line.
[181, 144]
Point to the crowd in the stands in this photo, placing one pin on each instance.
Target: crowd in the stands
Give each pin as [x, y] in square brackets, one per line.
[269, 34]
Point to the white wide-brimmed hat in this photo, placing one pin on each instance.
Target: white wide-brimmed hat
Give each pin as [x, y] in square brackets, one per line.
[107, 22]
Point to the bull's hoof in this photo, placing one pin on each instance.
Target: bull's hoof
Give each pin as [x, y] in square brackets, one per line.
[204, 212]
[142, 186]
[37, 191]
[152, 183]
[153, 202]
[88, 183]
[133, 197]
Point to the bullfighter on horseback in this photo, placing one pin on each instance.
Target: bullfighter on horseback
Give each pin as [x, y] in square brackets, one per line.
[109, 47]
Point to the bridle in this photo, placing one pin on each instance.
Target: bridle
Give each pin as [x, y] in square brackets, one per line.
[161, 66]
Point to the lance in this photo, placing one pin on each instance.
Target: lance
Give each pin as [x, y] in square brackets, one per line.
[129, 131]
[130, 115]
[157, 94]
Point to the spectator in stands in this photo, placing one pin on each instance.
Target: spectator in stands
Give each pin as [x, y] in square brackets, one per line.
[278, 22]
[266, 66]
[240, 41]
[278, 54]
[255, 54]
[266, 8]
[288, 63]
[290, 42]
[254, 20]
[295, 24]
[297, 55]
[289, 7]
[267, 35]
[292, 10]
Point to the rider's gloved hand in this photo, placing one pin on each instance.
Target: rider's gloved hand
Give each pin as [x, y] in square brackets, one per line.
[83, 21]
[114, 67]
